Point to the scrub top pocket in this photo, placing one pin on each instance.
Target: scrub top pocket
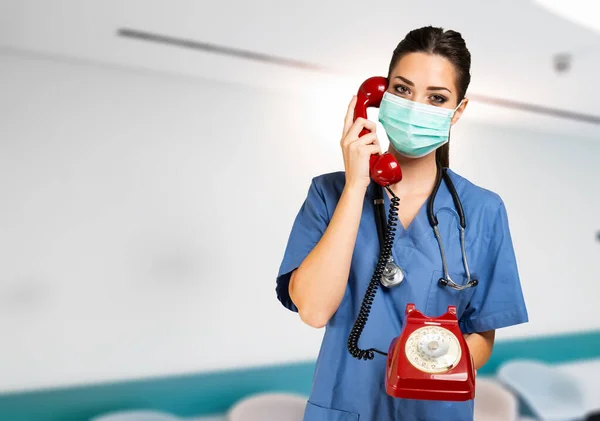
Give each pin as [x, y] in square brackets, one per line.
[444, 411]
[319, 413]
[440, 297]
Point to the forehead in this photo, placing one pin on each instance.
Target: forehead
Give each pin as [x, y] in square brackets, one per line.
[426, 70]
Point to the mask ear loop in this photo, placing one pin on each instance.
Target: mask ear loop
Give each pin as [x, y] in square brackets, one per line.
[459, 104]
[451, 124]
[456, 109]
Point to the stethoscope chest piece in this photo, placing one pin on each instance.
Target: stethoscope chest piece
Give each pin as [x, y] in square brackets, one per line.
[392, 275]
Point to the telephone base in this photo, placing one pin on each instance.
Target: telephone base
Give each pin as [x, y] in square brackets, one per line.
[452, 390]
[430, 360]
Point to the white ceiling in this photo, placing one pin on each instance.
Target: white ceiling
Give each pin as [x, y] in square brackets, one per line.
[512, 42]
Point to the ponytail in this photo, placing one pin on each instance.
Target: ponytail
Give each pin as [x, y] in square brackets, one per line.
[442, 155]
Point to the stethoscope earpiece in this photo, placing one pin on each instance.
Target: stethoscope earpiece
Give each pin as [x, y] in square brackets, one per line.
[444, 282]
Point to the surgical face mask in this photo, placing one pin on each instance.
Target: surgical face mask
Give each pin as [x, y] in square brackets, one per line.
[414, 129]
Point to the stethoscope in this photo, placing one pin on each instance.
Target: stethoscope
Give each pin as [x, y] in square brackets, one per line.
[392, 274]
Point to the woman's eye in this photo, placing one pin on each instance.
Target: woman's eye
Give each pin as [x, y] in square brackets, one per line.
[403, 90]
[438, 99]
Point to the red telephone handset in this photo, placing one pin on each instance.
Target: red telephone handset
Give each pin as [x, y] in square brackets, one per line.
[430, 359]
[384, 168]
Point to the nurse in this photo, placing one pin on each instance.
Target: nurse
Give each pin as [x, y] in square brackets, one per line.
[334, 247]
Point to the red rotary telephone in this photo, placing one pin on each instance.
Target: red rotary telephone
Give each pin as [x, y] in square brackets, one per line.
[430, 360]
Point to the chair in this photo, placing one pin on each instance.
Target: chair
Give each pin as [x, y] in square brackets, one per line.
[269, 407]
[493, 402]
[551, 394]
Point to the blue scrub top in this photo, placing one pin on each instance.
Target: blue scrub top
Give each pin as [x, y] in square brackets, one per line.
[345, 388]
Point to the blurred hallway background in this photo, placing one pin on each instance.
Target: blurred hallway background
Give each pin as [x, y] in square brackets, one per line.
[153, 156]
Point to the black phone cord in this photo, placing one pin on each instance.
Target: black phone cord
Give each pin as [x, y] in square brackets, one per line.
[363, 315]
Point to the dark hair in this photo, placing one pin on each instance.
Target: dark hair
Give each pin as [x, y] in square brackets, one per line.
[448, 44]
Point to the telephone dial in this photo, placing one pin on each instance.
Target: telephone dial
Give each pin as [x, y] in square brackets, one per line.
[430, 359]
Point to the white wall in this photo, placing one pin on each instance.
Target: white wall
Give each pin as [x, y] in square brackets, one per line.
[141, 209]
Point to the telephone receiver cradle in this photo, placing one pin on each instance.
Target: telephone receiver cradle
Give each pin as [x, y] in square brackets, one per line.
[449, 376]
[384, 168]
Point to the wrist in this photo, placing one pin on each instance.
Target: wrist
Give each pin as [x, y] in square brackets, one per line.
[356, 188]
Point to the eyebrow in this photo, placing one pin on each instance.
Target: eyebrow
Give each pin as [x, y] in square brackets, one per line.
[430, 88]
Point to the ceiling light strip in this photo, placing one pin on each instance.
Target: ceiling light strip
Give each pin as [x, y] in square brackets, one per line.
[271, 59]
[218, 49]
[537, 109]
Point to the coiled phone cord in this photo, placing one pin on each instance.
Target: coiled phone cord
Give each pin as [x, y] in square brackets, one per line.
[365, 308]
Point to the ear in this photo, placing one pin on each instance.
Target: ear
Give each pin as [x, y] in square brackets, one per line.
[459, 111]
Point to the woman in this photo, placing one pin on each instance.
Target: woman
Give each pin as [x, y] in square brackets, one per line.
[334, 246]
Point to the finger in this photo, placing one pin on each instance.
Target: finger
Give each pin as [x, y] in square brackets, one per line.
[364, 144]
[356, 128]
[367, 150]
[372, 149]
[349, 116]
[358, 125]
[368, 139]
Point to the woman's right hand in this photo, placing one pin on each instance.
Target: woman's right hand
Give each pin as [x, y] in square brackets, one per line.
[357, 150]
[318, 286]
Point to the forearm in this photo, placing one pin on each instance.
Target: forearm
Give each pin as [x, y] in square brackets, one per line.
[480, 346]
[318, 285]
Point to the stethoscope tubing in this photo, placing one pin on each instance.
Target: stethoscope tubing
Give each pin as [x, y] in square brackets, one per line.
[446, 280]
